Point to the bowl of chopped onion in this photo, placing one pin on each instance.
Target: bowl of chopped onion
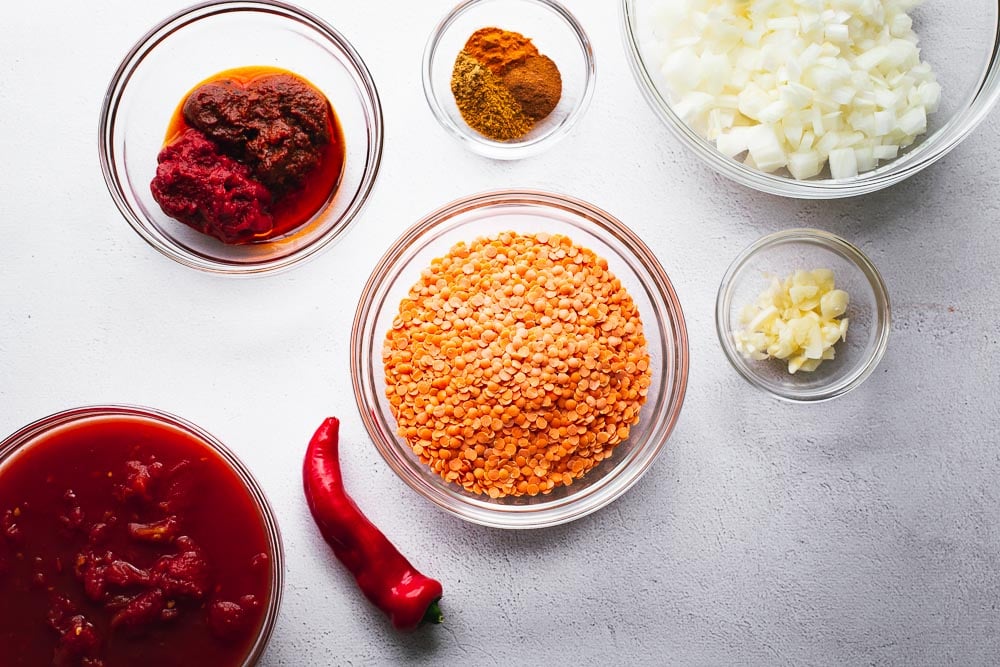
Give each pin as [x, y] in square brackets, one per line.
[803, 315]
[819, 100]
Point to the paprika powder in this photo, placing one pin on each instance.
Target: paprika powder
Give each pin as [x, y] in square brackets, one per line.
[499, 49]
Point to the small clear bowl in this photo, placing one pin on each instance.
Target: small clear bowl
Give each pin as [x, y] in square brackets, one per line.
[189, 47]
[960, 40]
[556, 33]
[524, 212]
[47, 428]
[780, 255]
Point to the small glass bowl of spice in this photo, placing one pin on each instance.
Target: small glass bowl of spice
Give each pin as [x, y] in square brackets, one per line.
[803, 315]
[508, 78]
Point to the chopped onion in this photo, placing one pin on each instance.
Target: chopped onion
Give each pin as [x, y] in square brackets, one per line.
[797, 84]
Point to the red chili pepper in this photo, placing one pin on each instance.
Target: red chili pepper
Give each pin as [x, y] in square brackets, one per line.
[383, 574]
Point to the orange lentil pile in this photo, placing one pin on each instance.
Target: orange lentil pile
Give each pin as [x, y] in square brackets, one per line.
[516, 364]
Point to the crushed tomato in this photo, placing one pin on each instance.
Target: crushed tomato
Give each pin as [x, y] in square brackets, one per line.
[125, 541]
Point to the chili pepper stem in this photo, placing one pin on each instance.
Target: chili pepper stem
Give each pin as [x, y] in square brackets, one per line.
[433, 613]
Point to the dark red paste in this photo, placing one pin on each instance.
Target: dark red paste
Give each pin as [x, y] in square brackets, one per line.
[124, 541]
[211, 192]
[277, 126]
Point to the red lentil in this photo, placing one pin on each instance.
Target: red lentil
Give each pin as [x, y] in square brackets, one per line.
[516, 363]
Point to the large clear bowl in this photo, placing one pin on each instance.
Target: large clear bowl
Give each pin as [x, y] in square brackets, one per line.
[47, 428]
[525, 212]
[960, 40]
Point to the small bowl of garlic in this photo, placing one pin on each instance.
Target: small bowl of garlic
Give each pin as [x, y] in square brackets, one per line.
[803, 315]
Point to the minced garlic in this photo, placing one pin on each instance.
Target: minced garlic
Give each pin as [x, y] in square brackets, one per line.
[798, 320]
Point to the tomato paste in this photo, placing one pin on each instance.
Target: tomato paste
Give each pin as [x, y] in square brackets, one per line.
[211, 192]
[125, 541]
[277, 154]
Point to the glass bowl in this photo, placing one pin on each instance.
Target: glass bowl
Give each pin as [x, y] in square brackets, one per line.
[50, 429]
[525, 212]
[779, 255]
[196, 43]
[961, 41]
[553, 30]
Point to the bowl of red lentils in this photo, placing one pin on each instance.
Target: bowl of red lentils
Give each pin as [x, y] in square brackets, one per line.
[519, 358]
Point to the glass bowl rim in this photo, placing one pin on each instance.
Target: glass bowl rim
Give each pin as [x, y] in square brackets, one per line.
[26, 435]
[946, 138]
[468, 137]
[368, 96]
[828, 241]
[674, 388]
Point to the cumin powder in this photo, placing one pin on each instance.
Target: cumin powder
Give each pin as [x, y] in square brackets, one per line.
[485, 103]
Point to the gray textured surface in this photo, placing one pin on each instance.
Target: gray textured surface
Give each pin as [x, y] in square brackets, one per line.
[861, 531]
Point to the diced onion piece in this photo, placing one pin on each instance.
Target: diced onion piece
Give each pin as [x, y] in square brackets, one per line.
[837, 33]
[871, 58]
[804, 165]
[734, 142]
[886, 152]
[692, 105]
[843, 163]
[765, 148]
[914, 121]
[865, 156]
[681, 70]
[885, 123]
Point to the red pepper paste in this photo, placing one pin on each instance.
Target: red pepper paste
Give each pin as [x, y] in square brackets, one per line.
[124, 541]
[250, 154]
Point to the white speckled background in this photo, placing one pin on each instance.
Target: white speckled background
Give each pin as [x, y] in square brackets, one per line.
[863, 531]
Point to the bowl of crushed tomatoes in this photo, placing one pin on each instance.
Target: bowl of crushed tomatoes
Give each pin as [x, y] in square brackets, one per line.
[241, 137]
[131, 536]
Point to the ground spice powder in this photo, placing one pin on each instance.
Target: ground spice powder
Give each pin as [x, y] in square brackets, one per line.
[485, 103]
[499, 49]
[503, 85]
[536, 84]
